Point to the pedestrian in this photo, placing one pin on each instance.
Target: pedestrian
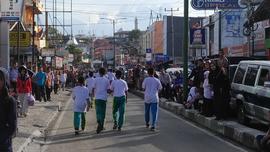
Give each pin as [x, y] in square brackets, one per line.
[152, 86]
[208, 93]
[101, 88]
[41, 79]
[166, 82]
[49, 83]
[80, 95]
[111, 76]
[119, 88]
[63, 79]
[56, 82]
[221, 87]
[90, 84]
[13, 75]
[8, 116]
[24, 89]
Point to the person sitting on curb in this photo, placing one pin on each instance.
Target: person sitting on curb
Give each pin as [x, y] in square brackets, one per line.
[193, 95]
[263, 141]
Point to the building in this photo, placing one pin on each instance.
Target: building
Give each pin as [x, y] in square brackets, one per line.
[173, 29]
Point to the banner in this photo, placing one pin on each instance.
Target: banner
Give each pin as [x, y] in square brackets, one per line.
[215, 4]
[148, 55]
[25, 39]
[197, 37]
[11, 10]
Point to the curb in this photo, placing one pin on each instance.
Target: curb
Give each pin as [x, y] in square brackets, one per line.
[229, 129]
[43, 132]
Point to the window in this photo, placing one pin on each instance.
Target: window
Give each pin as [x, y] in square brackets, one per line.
[264, 76]
[239, 76]
[251, 75]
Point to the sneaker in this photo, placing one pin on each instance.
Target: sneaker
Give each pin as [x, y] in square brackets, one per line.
[99, 129]
[77, 132]
[114, 126]
[119, 129]
[153, 129]
[147, 125]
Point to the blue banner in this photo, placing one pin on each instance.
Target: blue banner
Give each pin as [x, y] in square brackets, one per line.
[214, 4]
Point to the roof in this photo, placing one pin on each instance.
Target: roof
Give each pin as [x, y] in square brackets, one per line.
[256, 62]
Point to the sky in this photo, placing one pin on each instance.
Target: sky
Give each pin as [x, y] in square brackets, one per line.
[88, 15]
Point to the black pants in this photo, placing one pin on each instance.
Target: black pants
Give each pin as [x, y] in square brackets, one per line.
[48, 92]
[7, 146]
[55, 88]
[166, 91]
[41, 93]
[207, 108]
[13, 85]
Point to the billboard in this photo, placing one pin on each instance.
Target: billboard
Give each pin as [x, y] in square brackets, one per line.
[214, 4]
[197, 37]
[25, 39]
[11, 10]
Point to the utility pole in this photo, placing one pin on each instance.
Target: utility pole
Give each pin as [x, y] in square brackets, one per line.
[185, 49]
[114, 61]
[172, 30]
[34, 33]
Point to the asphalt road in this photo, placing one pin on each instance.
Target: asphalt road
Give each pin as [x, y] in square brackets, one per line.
[173, 134]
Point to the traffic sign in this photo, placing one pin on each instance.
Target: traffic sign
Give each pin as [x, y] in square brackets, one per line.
[214, 4]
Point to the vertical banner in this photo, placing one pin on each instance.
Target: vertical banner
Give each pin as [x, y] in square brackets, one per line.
[148, 56]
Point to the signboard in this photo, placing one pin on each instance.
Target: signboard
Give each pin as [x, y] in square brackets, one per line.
[11, 10]
[58, 62]
[214, 4]
[148, 55]
[25, 39]
[197, 37]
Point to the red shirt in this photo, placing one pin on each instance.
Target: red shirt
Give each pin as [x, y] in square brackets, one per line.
[24, 86]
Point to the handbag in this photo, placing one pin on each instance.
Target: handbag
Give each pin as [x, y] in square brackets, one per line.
[31, 100]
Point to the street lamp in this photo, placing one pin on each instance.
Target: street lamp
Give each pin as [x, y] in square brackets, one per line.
[113, 22]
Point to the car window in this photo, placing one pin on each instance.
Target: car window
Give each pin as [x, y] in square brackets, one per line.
[251, 75]
[239, 75]
[264, 76]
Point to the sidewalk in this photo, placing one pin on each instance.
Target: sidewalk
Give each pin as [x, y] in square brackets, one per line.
[39, 118]
[229, 129]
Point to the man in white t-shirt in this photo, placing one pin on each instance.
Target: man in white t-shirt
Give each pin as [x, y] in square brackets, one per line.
[80, 95]
[90, 84]
[63, 80]
[119, 88]
[101, 88]
[152, 86]
[110, 75]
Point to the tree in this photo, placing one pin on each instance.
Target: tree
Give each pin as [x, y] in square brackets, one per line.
[134, 35]
[77, 53]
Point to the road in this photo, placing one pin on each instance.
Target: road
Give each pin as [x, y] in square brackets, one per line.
[173, 134]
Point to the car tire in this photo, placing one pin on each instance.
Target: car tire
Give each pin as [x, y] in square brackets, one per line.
[241, 117]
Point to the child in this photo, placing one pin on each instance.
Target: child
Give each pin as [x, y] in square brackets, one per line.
[119, 88]
[80, 95]
[101, 88]
[152, 86]
[193, 95]
[89, 84]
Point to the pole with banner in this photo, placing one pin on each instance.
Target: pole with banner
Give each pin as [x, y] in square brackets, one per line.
[10, 10]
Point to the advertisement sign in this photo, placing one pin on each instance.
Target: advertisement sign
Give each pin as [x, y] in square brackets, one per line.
[58, 62]
[11, 10]
[197, 37]
[148, 55]
[214, 4]
[25, 39]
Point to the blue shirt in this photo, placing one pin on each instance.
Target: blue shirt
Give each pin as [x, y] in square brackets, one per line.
[41, 78]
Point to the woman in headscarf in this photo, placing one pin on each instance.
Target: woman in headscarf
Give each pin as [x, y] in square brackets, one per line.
[8, 116]
[24, 89]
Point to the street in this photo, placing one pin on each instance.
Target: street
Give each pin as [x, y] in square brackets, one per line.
[173, 134]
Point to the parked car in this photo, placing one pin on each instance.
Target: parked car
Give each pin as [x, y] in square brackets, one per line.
[250, 91]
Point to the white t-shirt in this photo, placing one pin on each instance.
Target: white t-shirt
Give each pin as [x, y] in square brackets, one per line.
[63, 77]
[90, 84]
[151, 85]
[111, 76]
[119, 87]
[207, 90]
[192, 95]
[80, 95]
[101, 86]
[96, 75]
